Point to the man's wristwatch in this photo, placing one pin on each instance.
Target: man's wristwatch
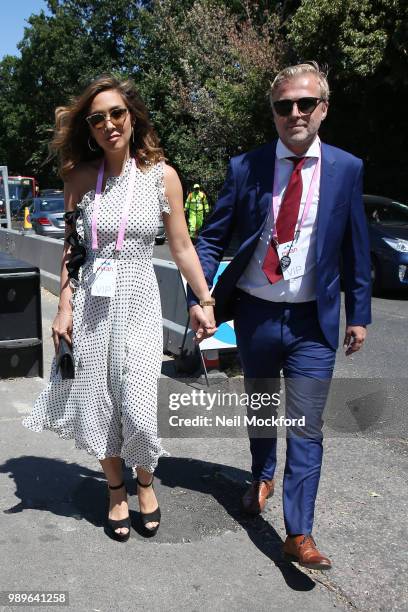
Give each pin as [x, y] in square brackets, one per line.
[210, 302]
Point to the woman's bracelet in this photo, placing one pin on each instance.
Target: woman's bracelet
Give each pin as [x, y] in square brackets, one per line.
[208, 302]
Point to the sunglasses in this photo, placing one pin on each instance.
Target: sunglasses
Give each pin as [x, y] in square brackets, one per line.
[305, 106]
[116, 116]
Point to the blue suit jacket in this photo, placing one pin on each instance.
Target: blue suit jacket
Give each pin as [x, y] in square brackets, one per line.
[243, 206]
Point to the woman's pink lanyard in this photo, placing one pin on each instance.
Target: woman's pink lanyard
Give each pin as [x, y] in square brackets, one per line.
[276, 198]
[125, 213]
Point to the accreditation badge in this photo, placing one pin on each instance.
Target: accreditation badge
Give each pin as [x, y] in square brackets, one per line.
[292, 258]
[104, 277]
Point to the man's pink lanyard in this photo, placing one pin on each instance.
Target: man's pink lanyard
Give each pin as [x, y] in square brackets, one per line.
[125, 213]
[276, 197]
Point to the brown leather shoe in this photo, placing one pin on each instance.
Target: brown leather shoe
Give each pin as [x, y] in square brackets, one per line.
[254, 500]
[303, 549]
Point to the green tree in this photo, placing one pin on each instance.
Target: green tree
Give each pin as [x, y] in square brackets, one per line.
[203, 66]
[10, 117]
[204, 73]
[60, 53]
[364, 45]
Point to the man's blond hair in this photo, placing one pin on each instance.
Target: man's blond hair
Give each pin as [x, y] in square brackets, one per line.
[293, 71]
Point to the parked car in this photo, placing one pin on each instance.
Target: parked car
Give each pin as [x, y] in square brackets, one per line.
[47, 216]
[161, 234]
[388, 230]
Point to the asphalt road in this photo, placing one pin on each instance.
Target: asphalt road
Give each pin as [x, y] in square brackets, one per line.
[206, 555]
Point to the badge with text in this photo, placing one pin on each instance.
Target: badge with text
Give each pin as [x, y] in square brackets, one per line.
[104, 277]
[292, 260]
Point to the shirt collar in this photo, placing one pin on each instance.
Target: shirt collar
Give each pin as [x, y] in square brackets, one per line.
[282, 150]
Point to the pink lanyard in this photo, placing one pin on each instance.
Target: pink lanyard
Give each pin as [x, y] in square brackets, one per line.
[125, 213]
[276, 200]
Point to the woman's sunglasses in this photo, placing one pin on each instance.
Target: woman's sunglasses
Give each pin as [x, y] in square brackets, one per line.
[116, 116]
[306, 106]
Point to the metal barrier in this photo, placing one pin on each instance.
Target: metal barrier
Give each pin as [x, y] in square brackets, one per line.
[178, 338]
[173, 302]
[46, 254]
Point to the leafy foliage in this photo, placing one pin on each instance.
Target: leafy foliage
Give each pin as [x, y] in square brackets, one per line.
[204, 67]
[364, 44]
[204, 74]
[60, 53]
[354, 37]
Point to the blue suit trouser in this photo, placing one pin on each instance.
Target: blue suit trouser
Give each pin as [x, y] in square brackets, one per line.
[275, 336]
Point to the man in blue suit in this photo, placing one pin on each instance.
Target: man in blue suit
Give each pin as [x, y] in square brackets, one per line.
[296, 205]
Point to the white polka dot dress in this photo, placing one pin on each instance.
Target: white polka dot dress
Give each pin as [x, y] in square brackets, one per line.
[110, 408]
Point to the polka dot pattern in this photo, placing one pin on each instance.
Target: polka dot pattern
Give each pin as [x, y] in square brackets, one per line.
[110, 408]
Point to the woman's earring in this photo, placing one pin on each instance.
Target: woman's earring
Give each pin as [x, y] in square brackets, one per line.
[133, 134]
[89, 144]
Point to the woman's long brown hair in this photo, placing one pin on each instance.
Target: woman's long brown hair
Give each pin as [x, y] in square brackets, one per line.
[71, 135]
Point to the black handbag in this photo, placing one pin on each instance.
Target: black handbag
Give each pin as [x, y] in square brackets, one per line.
[65, 360]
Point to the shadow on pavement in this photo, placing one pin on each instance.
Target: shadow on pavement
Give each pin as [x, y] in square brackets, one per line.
[53, 485]
[199, 499]
[393, 294]
[226, 485]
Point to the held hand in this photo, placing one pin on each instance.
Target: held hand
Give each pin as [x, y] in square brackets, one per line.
[202, 322]
[62, 326]
[354, 338]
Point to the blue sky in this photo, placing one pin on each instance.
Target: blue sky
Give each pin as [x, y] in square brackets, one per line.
[13, 16]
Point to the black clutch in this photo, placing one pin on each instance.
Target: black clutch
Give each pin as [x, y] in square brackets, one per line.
[65, 359]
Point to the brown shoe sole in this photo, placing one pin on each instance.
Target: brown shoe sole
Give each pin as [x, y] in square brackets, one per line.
[315, 566]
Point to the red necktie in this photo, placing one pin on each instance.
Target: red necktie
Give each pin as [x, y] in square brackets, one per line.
[286, 221]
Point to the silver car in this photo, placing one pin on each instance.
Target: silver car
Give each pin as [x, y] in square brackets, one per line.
[47, 216]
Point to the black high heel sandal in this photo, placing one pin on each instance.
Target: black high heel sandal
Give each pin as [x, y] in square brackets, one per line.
[112, 524]
[150, 517]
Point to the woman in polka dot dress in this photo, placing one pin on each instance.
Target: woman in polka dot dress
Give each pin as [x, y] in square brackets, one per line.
[116, 186]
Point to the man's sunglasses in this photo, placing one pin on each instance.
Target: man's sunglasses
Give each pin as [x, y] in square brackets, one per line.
[306, 106]
[116, 116]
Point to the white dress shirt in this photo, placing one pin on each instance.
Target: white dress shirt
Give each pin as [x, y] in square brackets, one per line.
[303, 288]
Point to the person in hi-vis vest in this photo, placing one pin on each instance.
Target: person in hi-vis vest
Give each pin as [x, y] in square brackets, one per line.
[196, 208]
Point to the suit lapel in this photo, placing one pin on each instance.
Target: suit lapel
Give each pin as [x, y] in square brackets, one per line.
[326, 199]
[264, 186]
